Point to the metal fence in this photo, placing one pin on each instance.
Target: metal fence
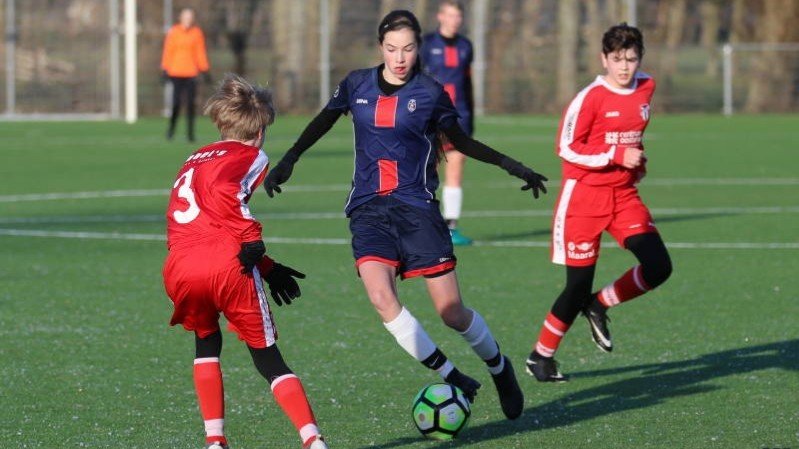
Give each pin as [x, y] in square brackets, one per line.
[59, 55]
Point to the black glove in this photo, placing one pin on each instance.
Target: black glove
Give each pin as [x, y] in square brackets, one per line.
[534, 180]
[251, 253]
[280, 174]
[164, 77]
[207, 78]
[282, 285]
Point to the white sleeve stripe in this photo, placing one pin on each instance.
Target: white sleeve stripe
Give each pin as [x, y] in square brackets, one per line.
[255, 170]
[567, 136]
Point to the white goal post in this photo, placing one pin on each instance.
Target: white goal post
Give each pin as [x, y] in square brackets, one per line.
[79, 74]
[728, 50]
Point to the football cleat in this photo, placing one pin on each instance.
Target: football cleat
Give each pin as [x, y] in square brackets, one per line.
[510, 394]
[467, 385]
[216, 445]
[598, 319]
[544, 369]
[459, 239]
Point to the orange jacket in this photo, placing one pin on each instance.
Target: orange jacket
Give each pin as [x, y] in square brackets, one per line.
[184, 52]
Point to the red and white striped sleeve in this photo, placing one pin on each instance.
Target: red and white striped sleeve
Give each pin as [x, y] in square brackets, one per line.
[240, 177]
[575, 129]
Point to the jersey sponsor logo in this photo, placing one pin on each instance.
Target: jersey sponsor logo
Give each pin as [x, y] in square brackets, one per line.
[610, 114]
[361, 101]
[623, 137]
[206, 155]
[436, 51]
[411, 105]
[580, 251]
[645, 111]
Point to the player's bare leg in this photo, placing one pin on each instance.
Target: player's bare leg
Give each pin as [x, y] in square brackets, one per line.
[452, 195]
[379, 280]
[446, 297]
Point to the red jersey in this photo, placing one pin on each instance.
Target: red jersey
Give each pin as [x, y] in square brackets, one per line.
[597, 126]
[210, 195]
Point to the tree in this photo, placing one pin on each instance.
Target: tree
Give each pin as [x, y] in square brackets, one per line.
[568, 35]
[710, 11]
[771, 85]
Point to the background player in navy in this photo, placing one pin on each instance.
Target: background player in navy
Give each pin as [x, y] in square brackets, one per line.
[448, 57]
[394, 218]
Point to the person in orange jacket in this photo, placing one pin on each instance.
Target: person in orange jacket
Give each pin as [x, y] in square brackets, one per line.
[183, 60]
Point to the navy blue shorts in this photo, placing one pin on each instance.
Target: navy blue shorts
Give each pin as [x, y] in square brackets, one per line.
[415, 240]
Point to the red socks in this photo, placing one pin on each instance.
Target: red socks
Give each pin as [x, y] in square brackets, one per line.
[211, 397]
[291, 397]
[630, 285]
[551, 334]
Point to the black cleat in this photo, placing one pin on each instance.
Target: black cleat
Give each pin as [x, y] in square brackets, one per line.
[544, 369]
[467, 385]
[510, 395]
[598, 319]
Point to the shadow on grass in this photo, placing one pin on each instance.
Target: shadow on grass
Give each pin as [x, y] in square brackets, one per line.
[646, 386]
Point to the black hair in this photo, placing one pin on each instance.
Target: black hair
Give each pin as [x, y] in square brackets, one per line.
[622, 37]
[397, 20]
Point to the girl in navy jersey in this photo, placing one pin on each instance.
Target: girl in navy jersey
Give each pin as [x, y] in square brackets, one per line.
[396, 225]
[600, 143]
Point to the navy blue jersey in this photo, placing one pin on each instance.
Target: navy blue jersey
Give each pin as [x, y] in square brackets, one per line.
[450, 65]
[394, 136]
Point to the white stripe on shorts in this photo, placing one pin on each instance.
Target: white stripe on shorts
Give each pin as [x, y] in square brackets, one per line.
[266, 313]
[559, 225]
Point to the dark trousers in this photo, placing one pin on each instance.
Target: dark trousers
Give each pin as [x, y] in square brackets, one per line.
[184, 90]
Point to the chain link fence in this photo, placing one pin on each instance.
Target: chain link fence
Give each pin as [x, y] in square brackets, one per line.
[63, 59]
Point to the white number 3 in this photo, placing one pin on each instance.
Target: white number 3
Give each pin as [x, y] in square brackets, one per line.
[185, 192]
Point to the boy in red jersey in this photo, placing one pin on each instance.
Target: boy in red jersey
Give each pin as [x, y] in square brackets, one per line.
[600, 142]
[217, 258]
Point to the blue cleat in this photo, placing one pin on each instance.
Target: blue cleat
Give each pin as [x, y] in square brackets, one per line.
[459, 239]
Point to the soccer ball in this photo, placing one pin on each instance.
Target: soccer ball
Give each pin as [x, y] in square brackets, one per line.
[440, 411]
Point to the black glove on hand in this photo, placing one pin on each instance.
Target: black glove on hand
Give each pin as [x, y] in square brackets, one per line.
[207, 78]
[164, 77]
[280, 174]
[534, 180]
[282, 285]
[251, 253]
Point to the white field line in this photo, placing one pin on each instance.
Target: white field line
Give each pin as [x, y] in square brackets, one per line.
[343, 241]
[310, 188]
[657, 212]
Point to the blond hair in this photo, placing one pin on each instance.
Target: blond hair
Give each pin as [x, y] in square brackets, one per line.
[239, 109]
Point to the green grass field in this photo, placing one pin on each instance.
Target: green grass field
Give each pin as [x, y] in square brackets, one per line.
[709, 360]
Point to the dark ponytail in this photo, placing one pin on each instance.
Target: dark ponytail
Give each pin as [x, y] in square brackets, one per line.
[397, 20]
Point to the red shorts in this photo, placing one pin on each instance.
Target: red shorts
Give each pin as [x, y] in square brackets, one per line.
[584, 211]
[204, 280]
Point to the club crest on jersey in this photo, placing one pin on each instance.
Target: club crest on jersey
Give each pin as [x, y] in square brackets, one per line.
[411, 105]
[645, 112]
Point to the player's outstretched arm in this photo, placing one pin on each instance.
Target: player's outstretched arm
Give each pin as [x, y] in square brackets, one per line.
[282, 285]
[482, 152]
[318, 127]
